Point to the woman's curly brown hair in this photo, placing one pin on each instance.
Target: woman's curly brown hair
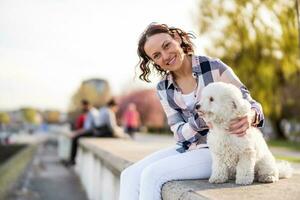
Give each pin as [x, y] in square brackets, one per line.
[152, 29]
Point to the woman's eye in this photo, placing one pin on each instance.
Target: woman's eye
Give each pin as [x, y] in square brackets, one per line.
[156, 56]
[167, 45]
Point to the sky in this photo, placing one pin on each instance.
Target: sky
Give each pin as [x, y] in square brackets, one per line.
[48, 47]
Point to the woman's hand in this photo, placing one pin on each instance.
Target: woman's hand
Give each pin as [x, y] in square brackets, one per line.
[239, 126]
[209, 124]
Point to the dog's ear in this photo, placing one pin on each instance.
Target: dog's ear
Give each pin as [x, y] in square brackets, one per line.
[242, 106]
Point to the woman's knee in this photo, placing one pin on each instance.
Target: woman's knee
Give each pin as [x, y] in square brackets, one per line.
[130, 173]
[152, 180]
[153, 175]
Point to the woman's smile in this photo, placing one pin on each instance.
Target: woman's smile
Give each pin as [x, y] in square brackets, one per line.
[172, 61]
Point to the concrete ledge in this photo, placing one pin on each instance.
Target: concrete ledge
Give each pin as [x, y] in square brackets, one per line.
[285, 189]
[117, 154]
[100, 162]
[64, 145]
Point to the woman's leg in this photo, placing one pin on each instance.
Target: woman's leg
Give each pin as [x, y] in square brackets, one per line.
[194, 164]
[131, 176]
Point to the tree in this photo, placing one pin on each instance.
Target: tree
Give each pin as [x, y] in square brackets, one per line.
[29, 115]
[52, 116]
[96, 91]
[4, 118]
[148, 106]
[259, 40]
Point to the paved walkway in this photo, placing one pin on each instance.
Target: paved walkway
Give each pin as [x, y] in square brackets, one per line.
[47, 179]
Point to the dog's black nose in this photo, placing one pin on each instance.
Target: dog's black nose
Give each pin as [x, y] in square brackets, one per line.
[198, 107]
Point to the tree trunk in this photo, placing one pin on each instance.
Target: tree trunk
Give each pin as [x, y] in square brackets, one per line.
[278, 129]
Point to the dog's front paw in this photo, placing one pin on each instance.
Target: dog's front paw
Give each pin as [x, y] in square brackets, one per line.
[217, 179]
[244, 181]
[267, 179]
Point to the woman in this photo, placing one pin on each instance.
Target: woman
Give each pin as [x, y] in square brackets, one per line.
[170, 52]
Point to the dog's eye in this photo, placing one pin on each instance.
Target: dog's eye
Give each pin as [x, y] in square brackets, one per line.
[211, 99]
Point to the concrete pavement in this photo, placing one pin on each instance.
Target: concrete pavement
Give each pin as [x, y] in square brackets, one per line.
[47, 179]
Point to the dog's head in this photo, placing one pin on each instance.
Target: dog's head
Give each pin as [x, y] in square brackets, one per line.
[220, 102]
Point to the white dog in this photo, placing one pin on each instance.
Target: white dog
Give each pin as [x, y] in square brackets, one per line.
[245, 157]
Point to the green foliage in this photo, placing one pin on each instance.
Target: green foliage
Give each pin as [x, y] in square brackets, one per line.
[29, 115]
[259, 40]
[4, 118]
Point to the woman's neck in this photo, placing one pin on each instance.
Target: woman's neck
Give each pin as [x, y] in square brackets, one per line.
[183, 77]
[186, 68]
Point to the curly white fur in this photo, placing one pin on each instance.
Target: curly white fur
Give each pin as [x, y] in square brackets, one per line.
[244, 158]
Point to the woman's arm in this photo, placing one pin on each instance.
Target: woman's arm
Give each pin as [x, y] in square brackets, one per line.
[227, 75]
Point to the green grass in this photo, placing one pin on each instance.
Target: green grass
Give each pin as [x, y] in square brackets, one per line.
[290, 159]
[7, 151]
[288, 145]
[12, 168]
[284, 144]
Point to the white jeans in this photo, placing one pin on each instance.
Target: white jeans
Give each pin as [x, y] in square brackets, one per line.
[144, 179]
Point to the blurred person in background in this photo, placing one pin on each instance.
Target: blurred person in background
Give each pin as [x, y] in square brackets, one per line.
[131, 119]
[98, 123]
[85, 106]
[90, 120]
[107, 126]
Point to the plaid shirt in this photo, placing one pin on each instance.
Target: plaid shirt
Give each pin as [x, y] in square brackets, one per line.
[185, 123]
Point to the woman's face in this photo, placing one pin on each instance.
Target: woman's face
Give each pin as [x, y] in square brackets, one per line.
[165, 51]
